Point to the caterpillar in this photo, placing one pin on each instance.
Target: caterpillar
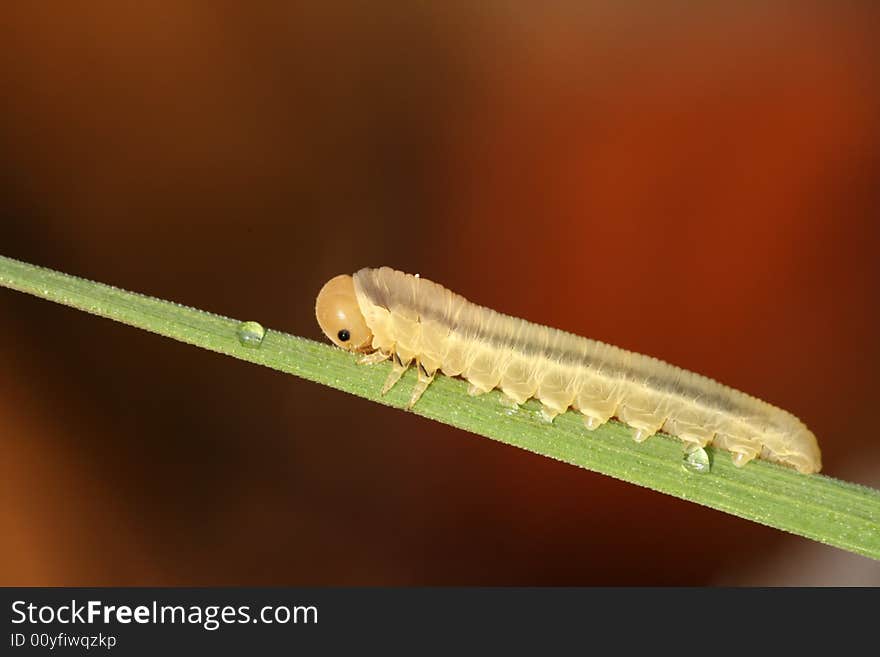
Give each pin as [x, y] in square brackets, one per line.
[387, 314]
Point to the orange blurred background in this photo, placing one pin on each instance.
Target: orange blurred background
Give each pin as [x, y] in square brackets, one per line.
[699, 184]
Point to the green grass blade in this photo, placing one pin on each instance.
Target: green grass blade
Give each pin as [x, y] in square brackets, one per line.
[827, 510]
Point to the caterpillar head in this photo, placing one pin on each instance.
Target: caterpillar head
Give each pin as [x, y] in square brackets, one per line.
[340, 316]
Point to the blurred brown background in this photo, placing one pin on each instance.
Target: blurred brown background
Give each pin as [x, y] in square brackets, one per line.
[700, 184]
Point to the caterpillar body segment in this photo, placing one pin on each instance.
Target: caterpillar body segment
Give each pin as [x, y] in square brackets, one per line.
[385, 313]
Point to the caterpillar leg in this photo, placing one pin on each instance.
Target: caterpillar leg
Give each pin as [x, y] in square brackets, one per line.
[422, 384]
[509, 403]
[593, 422]
[397, 370]
[742, 450]
[548, 413]
[688, 432]
[597, 410]
[373, 358]
[640, 434]
[644, 424]
[740, 455]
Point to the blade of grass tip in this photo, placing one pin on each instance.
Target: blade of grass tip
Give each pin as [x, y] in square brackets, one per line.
[834, 512]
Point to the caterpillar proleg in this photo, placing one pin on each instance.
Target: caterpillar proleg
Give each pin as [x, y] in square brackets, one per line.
[387, 314]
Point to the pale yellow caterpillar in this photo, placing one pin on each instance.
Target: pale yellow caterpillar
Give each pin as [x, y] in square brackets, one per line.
[384, 313]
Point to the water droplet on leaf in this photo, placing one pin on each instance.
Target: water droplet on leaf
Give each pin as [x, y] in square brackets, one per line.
[251, 334]
[696, 459]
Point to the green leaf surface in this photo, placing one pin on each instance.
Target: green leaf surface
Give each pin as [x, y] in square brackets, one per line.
[824, 509]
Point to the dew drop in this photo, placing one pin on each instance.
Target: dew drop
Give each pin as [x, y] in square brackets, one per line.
[696, 459]
[251, 334]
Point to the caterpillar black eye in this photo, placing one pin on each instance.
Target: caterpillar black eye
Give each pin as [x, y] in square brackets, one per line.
[343, 335]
